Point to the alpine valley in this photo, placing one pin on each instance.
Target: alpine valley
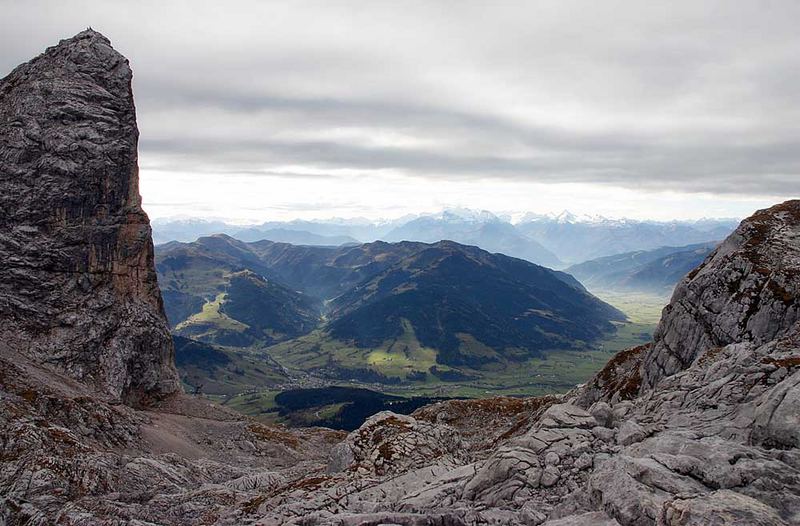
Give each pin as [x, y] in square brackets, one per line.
[106, 418]
[423, 318]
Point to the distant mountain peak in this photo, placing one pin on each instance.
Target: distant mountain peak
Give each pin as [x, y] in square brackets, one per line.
[564, 217]
[474, 227]
[465, 214]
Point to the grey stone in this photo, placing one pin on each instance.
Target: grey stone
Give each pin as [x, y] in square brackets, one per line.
[599, 459]
[620, 412]
[503, 475]
[567, 415]
[601, 412]
[594, 518]
[720, 507]
[551, 459]
[550, 476]
[777, 419]
[584, 461]
[603, 433]
[341, 458]
[78, 286]
[630, 432]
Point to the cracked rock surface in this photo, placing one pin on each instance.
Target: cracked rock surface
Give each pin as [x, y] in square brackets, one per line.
[77, 285]
[748, 289]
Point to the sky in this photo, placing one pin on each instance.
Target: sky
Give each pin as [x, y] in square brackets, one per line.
[255, 111]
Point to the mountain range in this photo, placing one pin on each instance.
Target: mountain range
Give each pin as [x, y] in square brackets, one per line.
[458, 304]
[650, 271]
[576, 241]
[554, 241]
[298, 231]
[483, 229]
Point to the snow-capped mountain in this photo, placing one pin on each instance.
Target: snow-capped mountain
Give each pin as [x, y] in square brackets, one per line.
[579, 238]
[551, 239]
[473, 227]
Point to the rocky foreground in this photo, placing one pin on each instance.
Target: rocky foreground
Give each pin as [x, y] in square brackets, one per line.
[701, 426]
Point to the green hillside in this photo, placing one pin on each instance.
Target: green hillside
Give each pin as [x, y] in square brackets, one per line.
[443, 319]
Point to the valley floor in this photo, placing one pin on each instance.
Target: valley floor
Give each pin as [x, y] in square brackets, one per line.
[559, 371]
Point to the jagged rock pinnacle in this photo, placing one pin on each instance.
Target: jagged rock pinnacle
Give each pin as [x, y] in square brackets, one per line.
[78, 288]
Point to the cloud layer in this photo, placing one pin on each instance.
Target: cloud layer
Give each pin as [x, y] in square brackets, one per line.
[690, 97]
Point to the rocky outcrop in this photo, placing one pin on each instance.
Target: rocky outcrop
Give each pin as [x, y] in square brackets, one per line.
[82, 325]
[485, 423]
[747, 290]
[78, 287]
[388, 443]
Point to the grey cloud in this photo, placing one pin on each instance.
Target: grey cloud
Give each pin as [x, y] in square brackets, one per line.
[723, 169]
[317, 112]
[692, 97]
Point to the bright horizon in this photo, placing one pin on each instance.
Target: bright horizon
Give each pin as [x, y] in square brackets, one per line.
[240, 200]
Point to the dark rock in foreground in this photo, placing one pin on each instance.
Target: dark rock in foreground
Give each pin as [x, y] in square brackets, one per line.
[82, 324]
[77, 286]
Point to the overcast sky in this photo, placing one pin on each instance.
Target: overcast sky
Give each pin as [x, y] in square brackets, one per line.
[275, 110]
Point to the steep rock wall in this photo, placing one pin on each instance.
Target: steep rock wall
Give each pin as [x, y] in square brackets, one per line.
[78, 288]
[747, 290]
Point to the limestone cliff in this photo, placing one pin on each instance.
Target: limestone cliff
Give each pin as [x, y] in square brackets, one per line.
[747, 290]
[78, 287]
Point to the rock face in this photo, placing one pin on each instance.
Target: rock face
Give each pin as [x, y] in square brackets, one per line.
[748, 289]
[702, 426]
[389, 443]
[77, 286]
